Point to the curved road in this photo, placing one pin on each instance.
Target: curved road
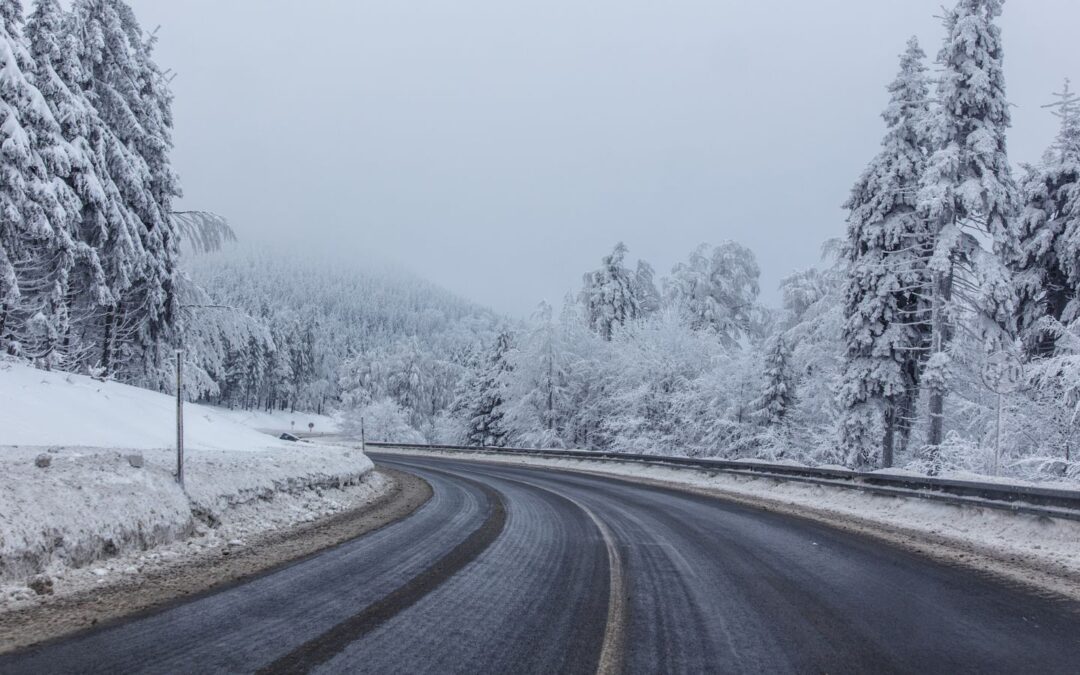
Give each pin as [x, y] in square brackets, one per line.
[528, 570]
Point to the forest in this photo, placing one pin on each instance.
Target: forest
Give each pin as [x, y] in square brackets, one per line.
[941, 325]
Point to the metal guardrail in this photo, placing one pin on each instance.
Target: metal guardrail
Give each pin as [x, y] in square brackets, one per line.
[1031, 500]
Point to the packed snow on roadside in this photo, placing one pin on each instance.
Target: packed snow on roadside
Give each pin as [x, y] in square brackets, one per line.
[87, 473]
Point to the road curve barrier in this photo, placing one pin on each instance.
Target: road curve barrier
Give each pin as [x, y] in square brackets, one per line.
[1027, 499]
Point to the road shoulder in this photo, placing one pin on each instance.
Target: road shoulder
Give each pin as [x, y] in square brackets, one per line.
[401, 494]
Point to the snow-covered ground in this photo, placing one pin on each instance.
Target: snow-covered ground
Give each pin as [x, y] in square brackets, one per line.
[87, 474]
[55, 408]
[281, 420]
[961, 534]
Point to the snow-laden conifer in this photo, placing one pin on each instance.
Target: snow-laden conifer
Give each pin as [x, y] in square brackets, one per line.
[1047, 264]
[36, 249]
[483, 403]
[967, 192]
[886, 317]
[778, 391]
[139, 250]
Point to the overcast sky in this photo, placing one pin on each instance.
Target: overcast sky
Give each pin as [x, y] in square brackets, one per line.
[501, 147]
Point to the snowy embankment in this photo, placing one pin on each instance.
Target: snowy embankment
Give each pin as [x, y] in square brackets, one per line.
[87, 473]
[1033, 550]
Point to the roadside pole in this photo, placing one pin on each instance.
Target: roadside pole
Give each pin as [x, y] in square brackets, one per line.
[180, 418]
[1002, 373]
[997, 446]
[363, 440]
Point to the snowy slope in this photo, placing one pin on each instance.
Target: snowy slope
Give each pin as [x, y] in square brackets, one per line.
[280, 420]
[40, 408]
[87, 472]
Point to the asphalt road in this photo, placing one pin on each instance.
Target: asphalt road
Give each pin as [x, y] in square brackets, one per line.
[528, 570]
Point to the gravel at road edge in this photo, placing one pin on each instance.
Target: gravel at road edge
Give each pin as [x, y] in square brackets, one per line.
[161, 588]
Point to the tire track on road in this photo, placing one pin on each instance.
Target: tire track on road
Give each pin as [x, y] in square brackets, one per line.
[612, 648]
[324, 647]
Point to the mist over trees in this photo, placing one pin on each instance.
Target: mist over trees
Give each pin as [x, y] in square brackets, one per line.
[316, 332]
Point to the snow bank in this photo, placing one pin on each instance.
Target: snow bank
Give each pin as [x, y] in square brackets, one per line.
[87, 471]
[90, 504]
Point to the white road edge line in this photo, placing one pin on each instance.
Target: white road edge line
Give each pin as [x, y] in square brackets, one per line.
[611, 653]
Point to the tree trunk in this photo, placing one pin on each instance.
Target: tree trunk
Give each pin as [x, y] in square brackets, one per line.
[890, 436]
[942, 292]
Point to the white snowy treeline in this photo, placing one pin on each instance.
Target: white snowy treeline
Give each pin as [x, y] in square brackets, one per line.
[876, 360]
[88, 249]
[298, 331]
[676, 377]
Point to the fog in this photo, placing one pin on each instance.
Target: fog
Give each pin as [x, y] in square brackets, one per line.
[501, 148]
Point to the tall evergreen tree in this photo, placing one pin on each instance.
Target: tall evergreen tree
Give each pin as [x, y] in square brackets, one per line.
[1047, 264]
[887, 249]
[139, 250]
[484, 400]
[56, 70]
[967, 192]
[36, 249]
[778, 394]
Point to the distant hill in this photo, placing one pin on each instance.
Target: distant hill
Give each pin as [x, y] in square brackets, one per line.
[272, 329]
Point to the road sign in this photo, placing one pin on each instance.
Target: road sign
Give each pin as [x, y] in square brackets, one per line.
[1003, 373]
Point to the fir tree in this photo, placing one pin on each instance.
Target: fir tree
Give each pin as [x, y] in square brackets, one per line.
[967, 191]
[36, 249]
[887, 248]
[778, 394]
[85, 191]
[484, 406]
[1047, 264]
[139, 250]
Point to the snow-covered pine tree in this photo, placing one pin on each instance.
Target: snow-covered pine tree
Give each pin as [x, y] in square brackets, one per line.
[87, 193]
[967, 192]
[886, 318]
[139, 250]
[484, 407]
[1047, 264]
[608, 294]
[778, 392]
[36, 205]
